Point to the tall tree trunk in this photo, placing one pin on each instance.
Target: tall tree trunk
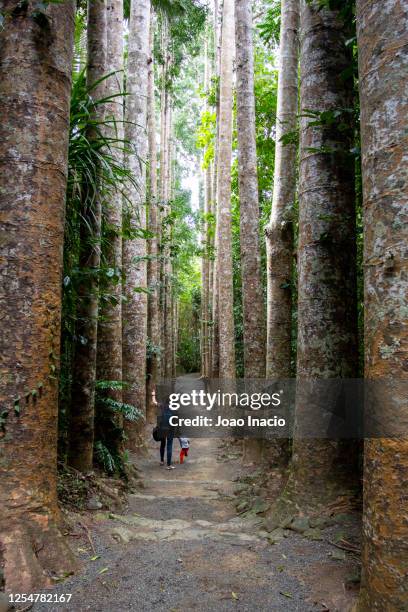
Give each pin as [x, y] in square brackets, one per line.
[252, 294]
[109, 352]
[327, 313]
[35, 57]
[164, 119]
[210, 242]
[80, 453]
[383, 75]
[205, 262]
[207, 274]
[175, 336]
[167, 234]
[224, 242]
[279, 232]
[215, 340]
[134, 250]
[153, 319]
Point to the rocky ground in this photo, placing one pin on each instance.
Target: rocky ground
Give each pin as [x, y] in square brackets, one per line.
[201, 537]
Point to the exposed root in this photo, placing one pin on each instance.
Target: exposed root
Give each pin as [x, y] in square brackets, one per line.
[34, 552]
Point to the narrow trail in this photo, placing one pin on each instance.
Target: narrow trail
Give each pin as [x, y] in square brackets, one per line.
[180, 546]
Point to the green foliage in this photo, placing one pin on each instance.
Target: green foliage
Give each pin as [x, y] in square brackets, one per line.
[186, 20]
[185, 251]
[109, 432]
[186, 26]
[187, 104]
[129, 412]
[92, 165]
[189, 332]
[213, 93]
[80, 38]
[206, 137]
[183, 239]
[266, 84]
[269, 29]
[111, 385]
[109, 461]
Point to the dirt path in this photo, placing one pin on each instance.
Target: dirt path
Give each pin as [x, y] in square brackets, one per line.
[180, 546]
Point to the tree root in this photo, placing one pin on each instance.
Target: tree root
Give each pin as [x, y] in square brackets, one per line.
[34, 552]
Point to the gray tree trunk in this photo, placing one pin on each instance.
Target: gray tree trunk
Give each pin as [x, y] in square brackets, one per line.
[327, 312]
[383, 76]
[279, 232]
[81, 431]
[153, 320]
[224, 238]
[134, 320]
[109, 353]
[252, 294]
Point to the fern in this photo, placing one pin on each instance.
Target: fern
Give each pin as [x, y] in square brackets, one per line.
[131, 413]
[111, 385]
[105, 458]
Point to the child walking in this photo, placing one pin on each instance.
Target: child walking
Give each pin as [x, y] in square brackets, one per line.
[185, 445]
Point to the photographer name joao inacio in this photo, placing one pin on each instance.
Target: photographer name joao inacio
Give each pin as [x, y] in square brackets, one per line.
[205, 421]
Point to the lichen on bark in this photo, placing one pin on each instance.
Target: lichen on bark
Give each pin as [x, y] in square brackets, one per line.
[327, 312]
[383, 77]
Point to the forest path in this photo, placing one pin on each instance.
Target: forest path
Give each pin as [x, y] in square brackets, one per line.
[180, 546]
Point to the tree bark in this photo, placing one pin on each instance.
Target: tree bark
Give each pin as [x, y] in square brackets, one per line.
[164, 133]
[35, 81]
[252, 294]
[205, 262]
[327, 313]
[166, 241]
[81, 432]
[210, 239]
[383, 77]
[109, 351]
[153, 319]
[175, 336]
[134, 250]
[224, 242]
[279, 232]
[215, 340]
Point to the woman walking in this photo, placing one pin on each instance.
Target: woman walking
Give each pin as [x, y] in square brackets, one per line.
[166, 431]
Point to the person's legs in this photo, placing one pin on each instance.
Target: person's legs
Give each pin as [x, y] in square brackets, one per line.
[182, 455]
[185, 451]
[162, 447]
[169, 449]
